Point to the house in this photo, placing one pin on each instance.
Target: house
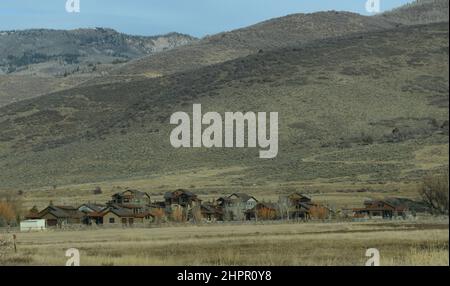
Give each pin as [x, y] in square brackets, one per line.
[179, 204]
[92, 213]
[115, 215]
[61, 215]
[380, 208]
[181, 197]
[298, 206]
[93, 218]
[134, 200]
[294, 206]
[235, 206]
[131, 197]
[91, 208]
[211, 212]
[263, 211]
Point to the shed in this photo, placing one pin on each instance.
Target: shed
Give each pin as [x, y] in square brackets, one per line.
[33, 225]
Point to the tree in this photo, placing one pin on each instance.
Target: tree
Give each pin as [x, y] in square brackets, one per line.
[284, 207]
[264, 213]
[10, 209]
[7, 213]
[177, 214]
[434, 192]
[318, 212]
[197, 214]
[159, 215]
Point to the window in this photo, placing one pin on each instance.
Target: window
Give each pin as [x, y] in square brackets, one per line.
[111, 220]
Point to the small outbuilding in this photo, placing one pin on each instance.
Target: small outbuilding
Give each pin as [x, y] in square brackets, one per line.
[33, 225]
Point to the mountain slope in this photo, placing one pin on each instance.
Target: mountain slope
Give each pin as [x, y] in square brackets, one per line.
[361, 108]
[276, 33]
[36, 62]
[419, 12]
[53, 52]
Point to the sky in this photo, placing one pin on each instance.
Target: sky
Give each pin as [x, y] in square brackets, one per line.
[153, 17]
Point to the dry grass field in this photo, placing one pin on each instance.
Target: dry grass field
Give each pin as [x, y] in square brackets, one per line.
[420, 242]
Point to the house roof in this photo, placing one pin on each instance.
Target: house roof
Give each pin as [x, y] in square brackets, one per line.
[145, 214]
[124, 212]
[373, 205]
[120, 212]
[179, 193]
[242, 196]
[392, 203]
[211, 209]
[61, 212]
[299, 195]
[94, 207]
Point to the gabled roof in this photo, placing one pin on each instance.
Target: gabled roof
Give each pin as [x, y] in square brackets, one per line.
[385, 202]
[93, 207]
[179, 193]
[299, 195]
[61, 212]
[120, 212]
[242, 197]
[211, 209]
[124, 212]
[372, 205]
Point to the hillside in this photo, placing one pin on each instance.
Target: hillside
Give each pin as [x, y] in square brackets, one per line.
[419, 12]
[36, 62]
[370, 107]
[14, 88]
[59, 52]
[272, 34]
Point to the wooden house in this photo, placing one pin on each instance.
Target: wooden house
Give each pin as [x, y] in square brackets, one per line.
[136, 201]
[181, 197]
[115, 215]
[298, 206]
[236, 205]
[211, 212]
[380, 208]
[61, 215]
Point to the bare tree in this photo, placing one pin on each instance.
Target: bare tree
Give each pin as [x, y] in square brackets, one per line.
[284, 206]
[434, 192]
[197, 214]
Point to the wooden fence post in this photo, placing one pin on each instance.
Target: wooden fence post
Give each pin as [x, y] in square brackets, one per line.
[14, 240]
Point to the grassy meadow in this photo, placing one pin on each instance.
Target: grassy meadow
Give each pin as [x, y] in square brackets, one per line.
[421, 242]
